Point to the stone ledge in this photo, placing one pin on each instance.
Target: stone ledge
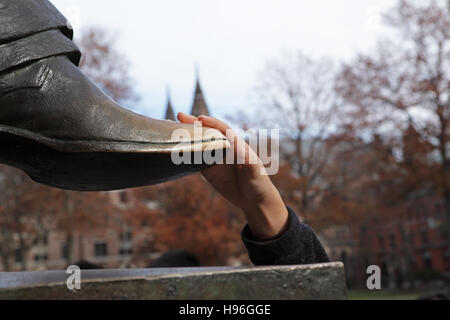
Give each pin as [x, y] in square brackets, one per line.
[304, 282]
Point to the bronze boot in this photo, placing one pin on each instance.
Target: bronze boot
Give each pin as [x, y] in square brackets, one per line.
[62, 130]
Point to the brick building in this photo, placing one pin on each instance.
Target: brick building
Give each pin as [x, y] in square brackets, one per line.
[407, 236]
[108, 248]
[403, 247]
[416, 242]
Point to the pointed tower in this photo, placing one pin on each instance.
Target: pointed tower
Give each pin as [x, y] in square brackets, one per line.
[170, 115]
[199, 107]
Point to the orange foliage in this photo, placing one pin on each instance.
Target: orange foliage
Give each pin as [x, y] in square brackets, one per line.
[192, 216]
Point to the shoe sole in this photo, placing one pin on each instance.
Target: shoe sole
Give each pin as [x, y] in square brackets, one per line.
[98, 166]
[118, 146]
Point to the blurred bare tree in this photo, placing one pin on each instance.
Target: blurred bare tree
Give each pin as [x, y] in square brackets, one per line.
[404, 88]
[105, 65]
[298, 97]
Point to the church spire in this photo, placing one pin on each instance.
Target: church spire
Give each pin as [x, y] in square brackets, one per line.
[199, 106]
[170, 115]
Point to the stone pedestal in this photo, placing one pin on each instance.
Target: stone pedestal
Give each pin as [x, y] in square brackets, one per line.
[320, 281]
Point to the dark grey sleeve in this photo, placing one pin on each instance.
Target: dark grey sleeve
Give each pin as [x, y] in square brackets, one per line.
[297, 245]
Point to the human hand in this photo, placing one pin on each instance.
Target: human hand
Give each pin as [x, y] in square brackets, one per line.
[245, 185]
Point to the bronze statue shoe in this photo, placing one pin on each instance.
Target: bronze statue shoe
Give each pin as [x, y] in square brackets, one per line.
[62, 130]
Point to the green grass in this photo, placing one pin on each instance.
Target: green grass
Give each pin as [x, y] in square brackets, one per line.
[381, 295]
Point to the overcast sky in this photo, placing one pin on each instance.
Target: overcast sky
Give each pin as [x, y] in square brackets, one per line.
[229, 41]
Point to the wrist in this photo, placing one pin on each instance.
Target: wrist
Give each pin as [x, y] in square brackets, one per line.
[267, 219]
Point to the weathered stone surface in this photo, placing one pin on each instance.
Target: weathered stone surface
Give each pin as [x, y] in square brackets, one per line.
[321, 281]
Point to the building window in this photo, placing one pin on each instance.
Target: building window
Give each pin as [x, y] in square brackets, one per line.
[344, 257]
[65, 251]
[126, 251]
[392, 240]
[444, 234]
[41, 257]
[447, 257]
[424, 211]
[366, 262]
[40, 241]
[18, 257]
[381, 242]
[125, 236]
[363, 236]
[126, 244]
[363, 231]
[124, 197]
[424, 235]
[427, 260]
[101, 249]
[402, 230]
